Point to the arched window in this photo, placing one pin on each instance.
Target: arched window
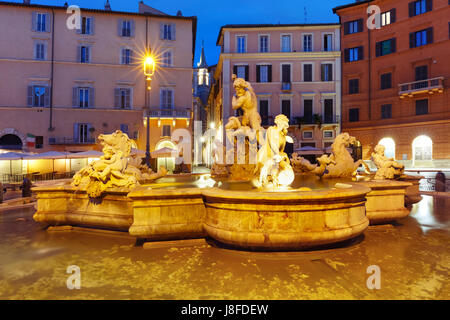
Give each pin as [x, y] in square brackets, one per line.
[422, 148]
[389, 144]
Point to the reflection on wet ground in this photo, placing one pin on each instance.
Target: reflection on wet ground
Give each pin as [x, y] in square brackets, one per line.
[413, 255]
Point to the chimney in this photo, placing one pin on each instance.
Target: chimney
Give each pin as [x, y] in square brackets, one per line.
[26, 1]
[179, 14]
[107, 6]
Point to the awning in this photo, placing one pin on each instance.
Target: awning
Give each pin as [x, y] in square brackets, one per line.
[308, 151]
[137, 152]
[85, 154]
[13, 156]
[48, 155]
[164, 153]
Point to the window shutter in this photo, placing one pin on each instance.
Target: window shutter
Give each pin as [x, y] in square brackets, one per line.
[269, 73]
[92, 25]
[79, 54]
[173, 31]
[30, 96]
[119, 27]
[361, 53]
[47, 97]
[258, 75]
[346, 28]
[347, 55]
[76, 132]
[330, 72]
[91, 98]
[89, 126]
[235, 70]
[393, 15]
[128, 99]
[393, 45]
[161, 31]
[411, 9]
[430, 35]
[161, 98]
[33, 21]
[131, 57]
[47, 23]
[75, 101]
[360, 25]
[132, 26]
[429, 5]
[412, 40]
[322, 72]
[378, 49]
[117, 98]
[88, 54]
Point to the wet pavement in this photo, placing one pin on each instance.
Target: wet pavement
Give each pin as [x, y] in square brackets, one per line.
[413, 256]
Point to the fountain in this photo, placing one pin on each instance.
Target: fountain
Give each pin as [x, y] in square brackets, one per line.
[260, 206]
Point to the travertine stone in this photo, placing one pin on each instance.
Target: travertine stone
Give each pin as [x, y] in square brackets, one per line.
[412, 192]
[285, 220]
[386, 201]
[167, 214]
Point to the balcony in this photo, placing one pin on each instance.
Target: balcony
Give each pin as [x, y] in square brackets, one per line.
[314, 120]
[71, 141]
[286, 86]
[430, 86]
[175, 113]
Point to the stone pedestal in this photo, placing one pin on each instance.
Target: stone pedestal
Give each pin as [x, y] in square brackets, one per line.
[412, 192]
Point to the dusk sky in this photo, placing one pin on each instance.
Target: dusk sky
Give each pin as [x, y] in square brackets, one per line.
[214, 14]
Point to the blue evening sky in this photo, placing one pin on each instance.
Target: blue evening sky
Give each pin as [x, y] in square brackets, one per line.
[212, 14]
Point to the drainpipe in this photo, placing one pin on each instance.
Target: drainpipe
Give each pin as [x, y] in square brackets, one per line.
[370, 74]
[50, 127]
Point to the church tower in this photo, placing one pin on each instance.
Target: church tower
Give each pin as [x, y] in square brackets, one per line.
[202, 83]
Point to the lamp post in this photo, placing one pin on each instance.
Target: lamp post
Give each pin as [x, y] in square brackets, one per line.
[149, 71]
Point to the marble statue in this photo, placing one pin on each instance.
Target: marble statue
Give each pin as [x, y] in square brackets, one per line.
[388, 168]
[273, 164]
[302, 165]
[114, 169]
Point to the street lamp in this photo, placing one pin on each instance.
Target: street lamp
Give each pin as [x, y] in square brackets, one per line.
[149, 71]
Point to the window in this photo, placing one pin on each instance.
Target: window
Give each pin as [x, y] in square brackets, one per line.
[353, 26]
[166, 98]
[124, 128]
[87, 25]
[83, 97]
[84, 54]
[263, 73]
[353, 54]
[421, 73]
[167, 58]
[38, 96]
[420, 38]
[307, 73]
[388, 17]
[421, 107]
[308, 111]
[328, 42]
[264, 112]
[307, 134]
[307, 42]
[328, 111]
[286, 108]
[328, 134]
[241, 72]
[122, 98]
[241, 44]
[286, 73]
[39, 142]
[353, 115]
[353, 86]
[386, 111]
[327, 72]
[263, 43]
[383, 48]
[83, 133]
[40, 51]
[419, 7]
[41, 22]
[126, 56]
[285, 43]
[166, 130]
[167, 31]
[386, 81]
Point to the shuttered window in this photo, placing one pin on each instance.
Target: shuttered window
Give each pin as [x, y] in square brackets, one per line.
[420, 7]
[264, 112]
[241, 72]
[327, 72]
[353, 115]
[263, 73]
[40, 22]
[353, 86]
[386, 111]
[354, 26]
[122, 98]
[307, 73]
[354, 54]
[421, 38]
[166, 98]
[386, 81]
[38, 96]
[385, 47]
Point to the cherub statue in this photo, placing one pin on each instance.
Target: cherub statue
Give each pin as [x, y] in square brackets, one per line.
[388, 168]
[273, 164]
[245, 98]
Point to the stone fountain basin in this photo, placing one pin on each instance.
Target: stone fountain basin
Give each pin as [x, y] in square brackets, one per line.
[285, 220]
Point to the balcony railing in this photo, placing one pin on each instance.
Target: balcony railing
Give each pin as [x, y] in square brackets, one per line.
[170, 113]
[269, 120]
[64, 140]
[434, 85]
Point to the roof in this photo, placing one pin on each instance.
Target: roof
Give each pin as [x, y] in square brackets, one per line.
[353, 4]
[202, 63]
[148, 12]
[242, 26]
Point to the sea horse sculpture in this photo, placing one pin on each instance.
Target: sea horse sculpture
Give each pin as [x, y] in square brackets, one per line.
[114, 169]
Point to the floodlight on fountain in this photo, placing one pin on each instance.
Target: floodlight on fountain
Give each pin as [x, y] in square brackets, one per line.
[212, 125]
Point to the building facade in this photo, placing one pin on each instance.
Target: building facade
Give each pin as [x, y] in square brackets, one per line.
[395, 79]
[294, 70]
[61, 87]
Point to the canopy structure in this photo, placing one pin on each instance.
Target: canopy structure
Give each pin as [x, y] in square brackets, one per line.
[308, 151]
[48, 156]
[163, 153]
[85, 154]
[13, 156]
[137, 152]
